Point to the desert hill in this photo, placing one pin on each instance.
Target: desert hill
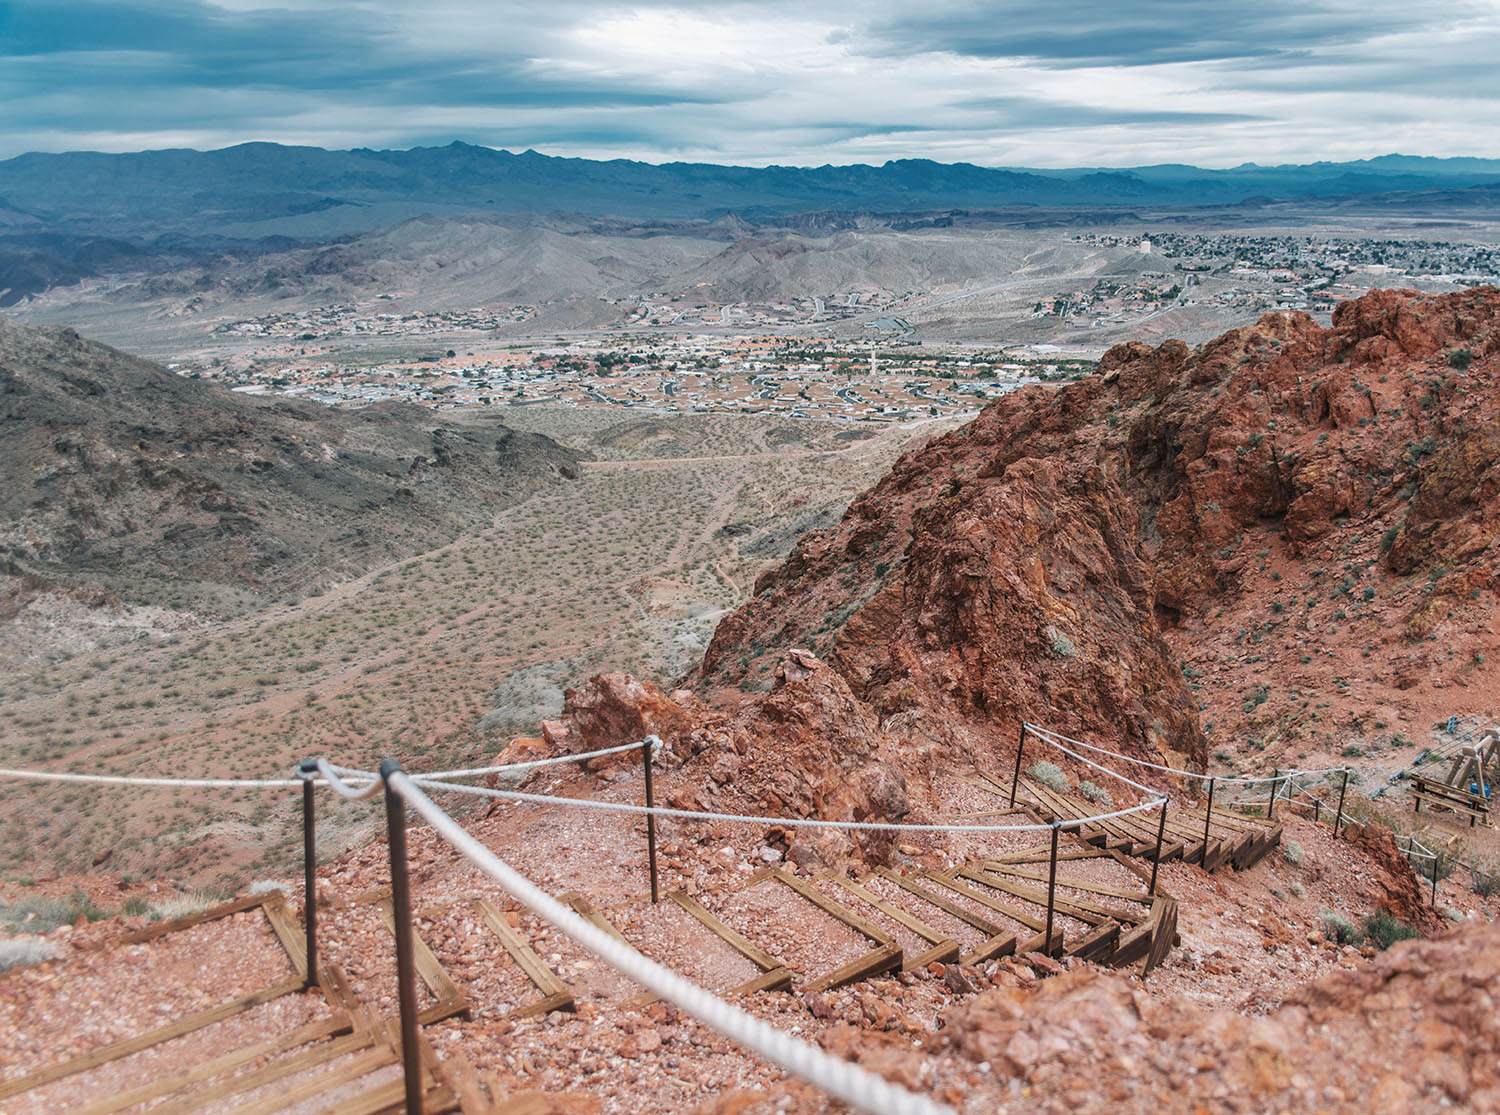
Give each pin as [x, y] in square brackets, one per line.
[1302, 520]
[118, 476]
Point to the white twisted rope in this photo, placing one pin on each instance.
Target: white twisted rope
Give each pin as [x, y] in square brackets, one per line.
[122, 780]
[856, 1087]
[335, 779]
[530, 764]
[1054, 737]
[751, 819]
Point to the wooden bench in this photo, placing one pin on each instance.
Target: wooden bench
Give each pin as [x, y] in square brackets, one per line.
[1440, 795]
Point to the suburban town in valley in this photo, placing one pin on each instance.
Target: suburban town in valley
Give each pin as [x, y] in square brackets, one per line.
[809, 378]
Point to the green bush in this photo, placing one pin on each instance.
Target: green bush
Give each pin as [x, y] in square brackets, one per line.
[1383, 930]
[1484, 884]
[1049, 775]
[1338, 928]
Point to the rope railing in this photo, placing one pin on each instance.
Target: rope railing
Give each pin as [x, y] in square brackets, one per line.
[855, 1086]
[754, 819]
[131, 780]
[1055, 737]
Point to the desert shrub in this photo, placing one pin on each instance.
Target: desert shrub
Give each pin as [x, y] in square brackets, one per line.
[1061, 644]
[24, 951]
[1336, 927]
[1096, 794]
[1296, 889]
[1049, 775]
[182, 905]
[1383, 930]
[1484, 884]
[1292, 852]
[1460, 358]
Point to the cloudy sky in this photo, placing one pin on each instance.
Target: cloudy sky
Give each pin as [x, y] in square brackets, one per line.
[1009, 83]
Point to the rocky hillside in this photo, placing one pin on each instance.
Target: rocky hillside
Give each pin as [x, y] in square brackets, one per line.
[1301, 520]
[119, 477]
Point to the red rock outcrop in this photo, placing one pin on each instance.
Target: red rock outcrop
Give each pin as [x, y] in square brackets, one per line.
[1400, 893]
[1415, 1030]
[1268, 495]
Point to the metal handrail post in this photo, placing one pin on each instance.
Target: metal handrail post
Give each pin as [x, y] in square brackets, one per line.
[650, 817]
[1015, 779]
[1051, 888]
[307, 770]
[1161, 834]
[411, 1057]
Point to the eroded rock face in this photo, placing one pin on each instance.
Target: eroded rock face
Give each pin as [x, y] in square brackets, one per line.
[1400, 893]
[1277, 481]
[1332, 1047]
[808, 748]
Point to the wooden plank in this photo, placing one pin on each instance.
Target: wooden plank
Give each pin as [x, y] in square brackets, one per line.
[544, 978]
[932, 898]
[1068, 810]
[288, 932]
[895, 913]
[334, 984]
[833, 909]
[774, 980]
[362, 1064]
[1028, 920]
[187, 921]
[760, 958]
[175, 1082]
[944, 952]
[1139, 870]
[1165, 917]
[563, 1000]
[996, 867]
[356, 1045]
[1001, 944]
[585, 909]
[433, 974]
[1101, 940]
[885, 958]
[1081, 909]
[127, 1046]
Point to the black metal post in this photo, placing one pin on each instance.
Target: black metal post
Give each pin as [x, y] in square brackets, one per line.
[1338, 820]
[1275, 782]
[1015, 779]
[1051, 888]
[1433, 861]
[1208, 819]
[1161, 834]
[307, 771]
[650, 817]
[395, 819]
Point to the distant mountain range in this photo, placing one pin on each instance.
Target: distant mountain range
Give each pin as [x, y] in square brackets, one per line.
[257, 190]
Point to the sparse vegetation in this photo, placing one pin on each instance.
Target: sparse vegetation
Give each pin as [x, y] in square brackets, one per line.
[1049, 775]
[1096, 794]
[1338, 928]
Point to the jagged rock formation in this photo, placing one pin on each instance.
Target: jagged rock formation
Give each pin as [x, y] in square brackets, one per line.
[1096, 1042]
[118, 475]
[1282, 480]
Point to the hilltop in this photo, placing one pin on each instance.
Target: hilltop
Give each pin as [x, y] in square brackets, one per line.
[120, 480]
[1298, 520]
